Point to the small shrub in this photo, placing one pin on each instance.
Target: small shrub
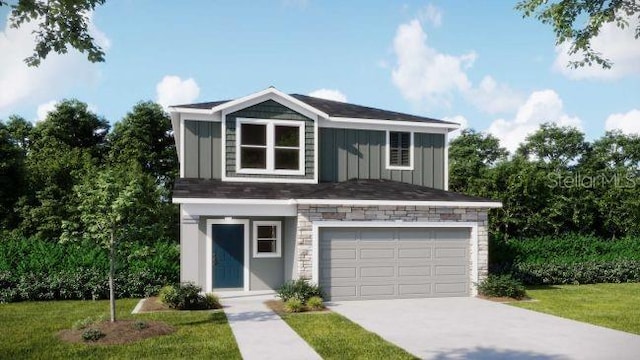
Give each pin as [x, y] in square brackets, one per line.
[92, 334]
[188, 296]
[502, 286]
[82, 323]
[300, 289]
[167, 294]
[293, 305]
[212, 301]
[315, 303]
[140, 325]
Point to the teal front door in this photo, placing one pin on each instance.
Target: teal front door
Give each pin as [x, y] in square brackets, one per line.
[228, 255]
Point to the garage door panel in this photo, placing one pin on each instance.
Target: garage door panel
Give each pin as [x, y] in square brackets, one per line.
[377, 290]
[369, 254]
[421, 271]
[451, 270]
[415, 235]
[450, 252]
[423, 289]
[340, 272]
[339, 254]
[377, 271]
[414, 253]
[451, 288]
[373, 236]
[391, 263]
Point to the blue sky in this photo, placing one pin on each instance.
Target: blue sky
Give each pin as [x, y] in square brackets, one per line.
[476, 62]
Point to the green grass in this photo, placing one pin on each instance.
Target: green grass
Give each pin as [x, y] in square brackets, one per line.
[335, 337]
[610, 305]
[28, 330]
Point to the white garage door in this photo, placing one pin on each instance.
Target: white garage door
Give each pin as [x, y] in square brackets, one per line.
[387, 263]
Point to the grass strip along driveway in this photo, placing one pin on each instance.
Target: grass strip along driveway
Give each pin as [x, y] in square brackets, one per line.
[28, 330]
[335, 337]
[610, 305]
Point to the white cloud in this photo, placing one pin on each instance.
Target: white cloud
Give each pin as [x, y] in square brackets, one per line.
[45, 108]
[423, 73]
[618, 45]
[493, 97]
[464, 123]
[55, 75]
[431, 14]
[541, 107]
[172, 90]
[628, 123]
[329, 94]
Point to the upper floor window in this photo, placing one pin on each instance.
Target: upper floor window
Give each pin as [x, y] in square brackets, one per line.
[399, 150]
[270, 146]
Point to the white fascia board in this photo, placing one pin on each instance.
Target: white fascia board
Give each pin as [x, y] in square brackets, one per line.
[271, 94]
[465, 204]
[215, 117]
[461, 204]
[354, 121]
[188, 110]
[175, 125]
[177, 200]
[239, 209]
[378, 125]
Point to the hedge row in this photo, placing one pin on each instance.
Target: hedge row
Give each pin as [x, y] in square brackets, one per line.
[34, 269]
[568, 259]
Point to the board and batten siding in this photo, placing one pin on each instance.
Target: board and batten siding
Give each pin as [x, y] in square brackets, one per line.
[361, 154]
[269, 110]
[202, 147]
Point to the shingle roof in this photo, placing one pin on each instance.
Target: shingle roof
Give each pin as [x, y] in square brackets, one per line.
[347, 190]
[338, 109]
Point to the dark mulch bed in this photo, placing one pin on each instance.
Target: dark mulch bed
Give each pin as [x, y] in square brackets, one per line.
[278, 307]
[119, 332]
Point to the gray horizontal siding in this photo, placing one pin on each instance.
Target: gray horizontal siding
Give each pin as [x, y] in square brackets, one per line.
[269, 110]
[202, 148]
[361, 154]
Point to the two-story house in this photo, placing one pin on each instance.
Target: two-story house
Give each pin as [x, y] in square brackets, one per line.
[275, 187]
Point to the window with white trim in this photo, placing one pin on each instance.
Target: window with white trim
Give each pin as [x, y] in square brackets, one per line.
[399, 150]
[267, 239]
[270, 147]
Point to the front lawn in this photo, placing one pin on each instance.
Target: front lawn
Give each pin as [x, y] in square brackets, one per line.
[610, 305]
[28, 330]
[335, 337]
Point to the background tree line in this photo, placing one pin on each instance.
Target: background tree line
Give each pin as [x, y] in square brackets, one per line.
[68, 183]
[556, 182]
[571, 207]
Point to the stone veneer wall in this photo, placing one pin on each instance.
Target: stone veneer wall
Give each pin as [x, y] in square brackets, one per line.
[307, 214]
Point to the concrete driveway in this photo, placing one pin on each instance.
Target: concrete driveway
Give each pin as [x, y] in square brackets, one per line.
[471, 328]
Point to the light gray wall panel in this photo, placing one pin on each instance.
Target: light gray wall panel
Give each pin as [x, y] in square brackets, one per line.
[289, 248]
[203, 157]
[361, 154]
[270, 110]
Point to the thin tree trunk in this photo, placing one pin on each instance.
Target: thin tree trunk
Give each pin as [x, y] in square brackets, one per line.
[112, 270]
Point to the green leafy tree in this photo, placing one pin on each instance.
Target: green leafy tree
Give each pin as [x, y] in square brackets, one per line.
[20, 131]
[558, 146]
[115, 205]
[612, 169]
[60, 24]
[67, 144]
[11, 176]
[472, 155]
[579, 21]
[144, 136]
